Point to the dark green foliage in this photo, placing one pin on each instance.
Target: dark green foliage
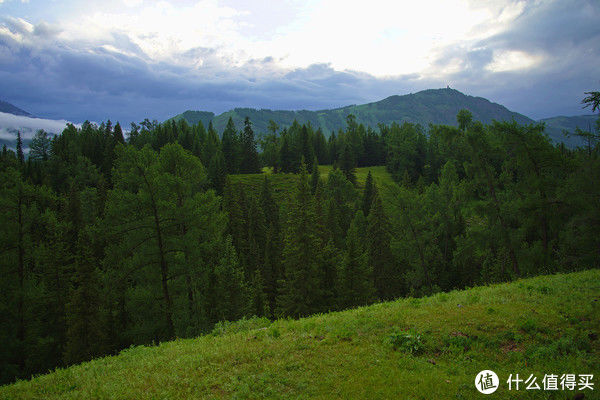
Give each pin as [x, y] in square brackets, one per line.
[20, 155]
[387, 275]
[107, 243]
[299, 291]
[355, 275]
[39, 148]
[217, 172]
[464, 119]
[348, 163]
[368, 194]
[249, 163]
[84, 337]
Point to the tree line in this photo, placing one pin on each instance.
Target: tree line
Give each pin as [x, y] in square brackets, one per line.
[108, 242]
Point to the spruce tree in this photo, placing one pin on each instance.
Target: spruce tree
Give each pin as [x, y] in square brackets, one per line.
[299, 290]
[348, 163]
[368, 194]
[230, 147]
[118, 134]
[20, 155]
[386, 275]
[217, 172]
[355, 277]
[315, 176]
[84, 328]
[249, 159]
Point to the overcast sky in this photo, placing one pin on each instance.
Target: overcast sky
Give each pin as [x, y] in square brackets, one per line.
[131, 59]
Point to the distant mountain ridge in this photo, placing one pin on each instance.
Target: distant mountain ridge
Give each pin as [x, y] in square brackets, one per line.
[12, 109]
[436, 106]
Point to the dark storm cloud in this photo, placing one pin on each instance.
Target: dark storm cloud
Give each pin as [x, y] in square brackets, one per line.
[564, 34]
[78, 81]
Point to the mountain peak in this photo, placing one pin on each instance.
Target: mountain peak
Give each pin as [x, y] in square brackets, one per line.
[8, 108]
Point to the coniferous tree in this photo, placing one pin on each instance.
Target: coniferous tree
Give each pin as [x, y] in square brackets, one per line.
[118, 134]
[315, 176]
[249, 159]
[20, 155]
[348, 163]
[217, 172]
[355, 276]
[386, 275]
[368, 194]
[258, 298]
[39, 149]
[231, 147]
[286, 155]
[84, 328]
[299, 290]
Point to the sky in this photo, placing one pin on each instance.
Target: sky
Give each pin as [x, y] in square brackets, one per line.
[127, 60]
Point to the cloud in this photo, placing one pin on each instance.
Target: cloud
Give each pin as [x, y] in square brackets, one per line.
[11, 124]
[156, 61]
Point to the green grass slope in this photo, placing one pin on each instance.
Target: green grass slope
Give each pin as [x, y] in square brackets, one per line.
[428, 348]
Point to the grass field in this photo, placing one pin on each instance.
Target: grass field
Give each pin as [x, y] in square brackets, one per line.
[428, 348]
[284, 185]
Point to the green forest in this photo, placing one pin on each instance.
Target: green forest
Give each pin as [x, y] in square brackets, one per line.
[111, 239]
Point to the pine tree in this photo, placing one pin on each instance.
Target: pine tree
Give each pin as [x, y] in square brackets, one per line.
[355, 277]
[118, 134]
[386, 275]
[368, 194]
[229, 299]
[315, 176]
[258, 298]
[286, 156]
[299, 290]
[84, 329]
[40, 146]
[249, 159]
[20, 155]
[231, 147]
[348, 163]
[217, 172]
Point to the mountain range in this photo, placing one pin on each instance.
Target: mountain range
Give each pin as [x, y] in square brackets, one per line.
[436, 106]
[11, 109]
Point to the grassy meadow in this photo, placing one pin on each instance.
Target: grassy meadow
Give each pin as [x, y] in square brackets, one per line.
[414, 348]
[284, 185]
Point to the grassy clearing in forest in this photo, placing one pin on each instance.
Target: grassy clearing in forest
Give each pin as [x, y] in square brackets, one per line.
[284, 185]
[414, 348]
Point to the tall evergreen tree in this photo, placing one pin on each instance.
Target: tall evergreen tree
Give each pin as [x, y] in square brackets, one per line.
[231, 147]
[368, 194]
[20, 155]
[386, 275]
[249, 159]
[355, 276]
[299, 290]
[217, 172]
[348, 163]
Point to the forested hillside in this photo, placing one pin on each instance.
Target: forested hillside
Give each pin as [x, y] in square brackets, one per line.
[436, 106]
[433, 106]
[109, 242]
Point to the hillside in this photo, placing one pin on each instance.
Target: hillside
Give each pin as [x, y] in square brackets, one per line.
[437, 106]
[557, 125]
[11, 109]
[428, 348]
